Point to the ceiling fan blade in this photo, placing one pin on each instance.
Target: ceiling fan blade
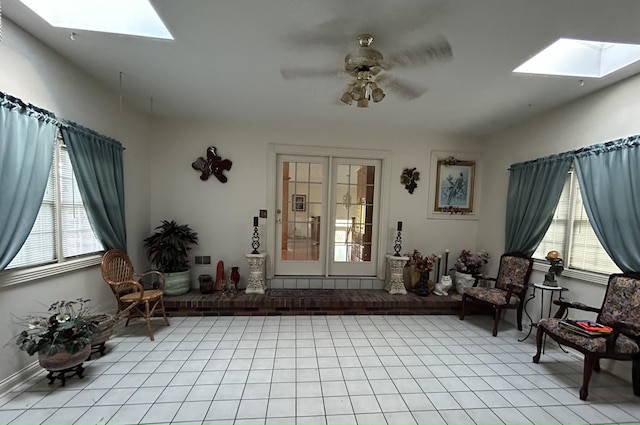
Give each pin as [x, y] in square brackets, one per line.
[402, 88]
[436, 50]
[297, 73]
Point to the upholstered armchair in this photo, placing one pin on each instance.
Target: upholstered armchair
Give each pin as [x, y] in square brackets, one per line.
[621, 311]
[509, 289]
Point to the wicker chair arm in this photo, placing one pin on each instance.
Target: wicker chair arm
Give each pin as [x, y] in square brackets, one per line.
[156, 285]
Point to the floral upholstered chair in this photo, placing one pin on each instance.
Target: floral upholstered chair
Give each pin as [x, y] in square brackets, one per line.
[621, 311]
[508, 292]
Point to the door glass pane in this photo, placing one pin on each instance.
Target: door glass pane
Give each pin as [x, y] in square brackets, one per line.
[301, 211]
[354, 202]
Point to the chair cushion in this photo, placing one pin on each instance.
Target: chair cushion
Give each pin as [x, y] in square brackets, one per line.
[492, 295]
[150, 294]
[624, 345]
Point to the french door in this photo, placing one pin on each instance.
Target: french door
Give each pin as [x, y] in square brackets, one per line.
[327, 215]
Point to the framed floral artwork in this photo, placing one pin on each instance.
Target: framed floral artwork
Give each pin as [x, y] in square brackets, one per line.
[455, 184]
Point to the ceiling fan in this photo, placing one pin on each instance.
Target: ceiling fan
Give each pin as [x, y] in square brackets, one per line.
[370, 70]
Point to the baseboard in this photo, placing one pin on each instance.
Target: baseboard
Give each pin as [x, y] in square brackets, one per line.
[12, 381]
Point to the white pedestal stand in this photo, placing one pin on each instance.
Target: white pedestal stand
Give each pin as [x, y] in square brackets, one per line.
[395, 280]
[256, 282]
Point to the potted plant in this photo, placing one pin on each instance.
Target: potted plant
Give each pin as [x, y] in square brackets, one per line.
[468, 265]
[168, 248]
[62, 338]
[420, 267]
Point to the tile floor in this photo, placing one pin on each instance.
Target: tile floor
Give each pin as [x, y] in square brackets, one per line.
[324, 370]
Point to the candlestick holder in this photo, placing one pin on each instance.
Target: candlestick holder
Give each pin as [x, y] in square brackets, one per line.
[398, 245]
[255, 240]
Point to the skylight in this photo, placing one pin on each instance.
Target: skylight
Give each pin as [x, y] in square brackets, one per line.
[581, 58]
[130, 17]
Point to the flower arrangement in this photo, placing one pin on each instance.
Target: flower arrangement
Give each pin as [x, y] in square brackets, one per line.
[471, 263]
[67, 327]
[420, 262]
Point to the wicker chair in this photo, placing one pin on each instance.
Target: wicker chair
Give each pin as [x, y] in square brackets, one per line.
[133, 299]
[621, 311]
[509, 291]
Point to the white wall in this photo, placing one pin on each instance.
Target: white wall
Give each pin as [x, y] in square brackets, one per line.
[222, 213]
[606, 115]
[35, 74]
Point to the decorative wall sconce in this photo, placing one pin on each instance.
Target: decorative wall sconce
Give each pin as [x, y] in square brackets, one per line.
[409, 178]
[213, 164]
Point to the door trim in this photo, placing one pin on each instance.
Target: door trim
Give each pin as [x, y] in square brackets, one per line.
[385, 226]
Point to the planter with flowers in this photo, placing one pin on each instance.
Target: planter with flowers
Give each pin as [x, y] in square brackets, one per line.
[468, 266]
[420, 267]
[62, 338]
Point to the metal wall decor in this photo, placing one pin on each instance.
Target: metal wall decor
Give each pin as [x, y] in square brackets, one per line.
[213, 164]
[409, 178]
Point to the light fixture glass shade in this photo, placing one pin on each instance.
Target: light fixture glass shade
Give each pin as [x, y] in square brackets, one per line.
[357, 93]
[377, 94]
[363, 102]
[346, 98]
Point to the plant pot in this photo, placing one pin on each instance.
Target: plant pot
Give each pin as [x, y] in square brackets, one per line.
[63, 360]
[464, 281]
[104, 330]
[177, 283]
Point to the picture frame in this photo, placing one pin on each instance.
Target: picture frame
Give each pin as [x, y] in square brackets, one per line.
[298, 202]
[455, 186]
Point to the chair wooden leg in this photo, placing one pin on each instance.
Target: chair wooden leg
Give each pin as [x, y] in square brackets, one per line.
[464, 305]
[147, 317]
[635, 375]
[590, 361]
[166, 321]
[496, 320]
[539, 336]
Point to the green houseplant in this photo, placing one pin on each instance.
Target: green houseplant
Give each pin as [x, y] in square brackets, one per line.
[168, 248]
[62, 337]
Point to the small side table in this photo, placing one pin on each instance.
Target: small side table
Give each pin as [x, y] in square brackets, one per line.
[394, 283]
[542, 287]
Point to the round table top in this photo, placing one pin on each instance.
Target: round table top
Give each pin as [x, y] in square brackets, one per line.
[549, 288]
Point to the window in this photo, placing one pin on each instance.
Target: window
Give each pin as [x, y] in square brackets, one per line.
[571, 233]
[62, 229]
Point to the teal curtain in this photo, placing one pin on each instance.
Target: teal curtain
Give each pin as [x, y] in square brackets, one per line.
[27, 140]
[609, 178]
[97, 166]
[534, 191]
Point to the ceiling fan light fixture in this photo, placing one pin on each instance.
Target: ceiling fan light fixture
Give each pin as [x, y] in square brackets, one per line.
[363, 102]
[346, 98]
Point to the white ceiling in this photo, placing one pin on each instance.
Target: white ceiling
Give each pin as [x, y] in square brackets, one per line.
[227, 55]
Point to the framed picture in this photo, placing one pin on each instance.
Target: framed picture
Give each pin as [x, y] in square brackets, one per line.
[299, 202]
[455, 184]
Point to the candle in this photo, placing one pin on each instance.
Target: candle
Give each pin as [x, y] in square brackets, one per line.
[399, 226]
[446, 260]
[255, 221]
[438, 269]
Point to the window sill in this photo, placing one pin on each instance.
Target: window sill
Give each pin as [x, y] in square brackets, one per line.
[591, 277]
[15, 277]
